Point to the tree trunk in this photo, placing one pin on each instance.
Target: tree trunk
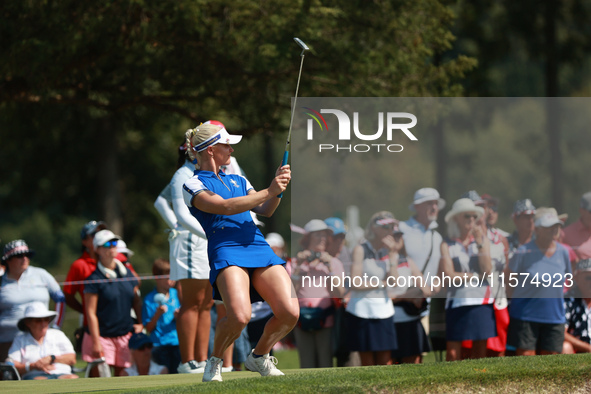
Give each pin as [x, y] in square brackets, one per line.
[109, 191]
[552, 108]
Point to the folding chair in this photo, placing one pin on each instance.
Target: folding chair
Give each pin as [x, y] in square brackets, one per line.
[9, 372]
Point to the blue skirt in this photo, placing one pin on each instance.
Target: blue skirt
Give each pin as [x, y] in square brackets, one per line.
[472, 322]
[412, 339]
[370, 335]
[242, 247]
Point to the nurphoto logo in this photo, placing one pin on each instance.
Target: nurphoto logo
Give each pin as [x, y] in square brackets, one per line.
[393, 124]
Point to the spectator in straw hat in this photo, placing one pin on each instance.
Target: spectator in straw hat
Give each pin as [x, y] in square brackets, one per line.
[535, 276]
[499, 250]
[577, 304]
[466, 253]
[578, 234]
[21, 285]
[40, 352]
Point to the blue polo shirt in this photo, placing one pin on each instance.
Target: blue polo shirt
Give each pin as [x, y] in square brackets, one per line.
[224, 185]
[115, 299]
[539, 302]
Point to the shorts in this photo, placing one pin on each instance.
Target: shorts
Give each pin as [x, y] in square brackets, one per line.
[529, 335]
[188, 257]
[115, 350]
[35, 374]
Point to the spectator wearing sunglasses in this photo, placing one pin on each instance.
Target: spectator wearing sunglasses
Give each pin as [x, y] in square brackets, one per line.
[578, 234]
[466, 253]
[141, 346]
[499, 254]
[371, 331]
[109, 294]
[21, 285]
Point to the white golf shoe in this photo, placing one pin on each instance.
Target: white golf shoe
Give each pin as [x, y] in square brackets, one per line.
[213, 370]
[191, 367]
[264, 365]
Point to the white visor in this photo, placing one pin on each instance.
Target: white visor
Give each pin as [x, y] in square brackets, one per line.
[221, 137]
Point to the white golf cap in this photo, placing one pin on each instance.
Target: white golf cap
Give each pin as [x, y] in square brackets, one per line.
[213, 132]
[427, 194]
[547, 219]
[102, 237]
[315, 225]
[122, 248]
[275, 240]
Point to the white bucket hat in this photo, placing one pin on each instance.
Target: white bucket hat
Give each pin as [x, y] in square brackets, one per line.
[463, 205]
[427, 194]
[36, 310]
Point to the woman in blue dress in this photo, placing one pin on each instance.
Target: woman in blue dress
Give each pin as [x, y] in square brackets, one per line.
[243, 268]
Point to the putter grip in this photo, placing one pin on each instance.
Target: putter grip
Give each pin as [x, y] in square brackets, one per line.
[284, 162]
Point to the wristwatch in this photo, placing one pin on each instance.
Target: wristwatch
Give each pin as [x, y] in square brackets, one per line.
[52, 359]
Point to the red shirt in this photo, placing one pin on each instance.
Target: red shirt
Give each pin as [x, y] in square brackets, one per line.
[80, 270]
[579, 238]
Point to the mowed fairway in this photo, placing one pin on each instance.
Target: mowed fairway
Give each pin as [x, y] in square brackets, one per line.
[562, 373]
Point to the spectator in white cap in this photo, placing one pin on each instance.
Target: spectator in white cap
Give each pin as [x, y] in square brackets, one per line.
[421, 239]
[21, 285]
[466, 253]
[578, 234]
[535, 277]
[423, 245]
[313, 268]
[577, 304]
[40, 352]
[109, 294]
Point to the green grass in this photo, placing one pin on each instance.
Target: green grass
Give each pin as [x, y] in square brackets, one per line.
[561, 373]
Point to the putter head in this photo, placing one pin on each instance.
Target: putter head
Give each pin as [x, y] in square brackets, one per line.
[301, 44]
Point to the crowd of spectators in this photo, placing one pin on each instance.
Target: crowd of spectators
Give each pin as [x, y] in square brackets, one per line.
[532, 294]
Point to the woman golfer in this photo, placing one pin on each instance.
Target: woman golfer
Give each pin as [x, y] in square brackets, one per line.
[243, 268]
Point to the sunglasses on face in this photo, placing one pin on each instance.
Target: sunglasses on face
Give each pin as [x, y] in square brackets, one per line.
[110, 244]
[470, 216]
